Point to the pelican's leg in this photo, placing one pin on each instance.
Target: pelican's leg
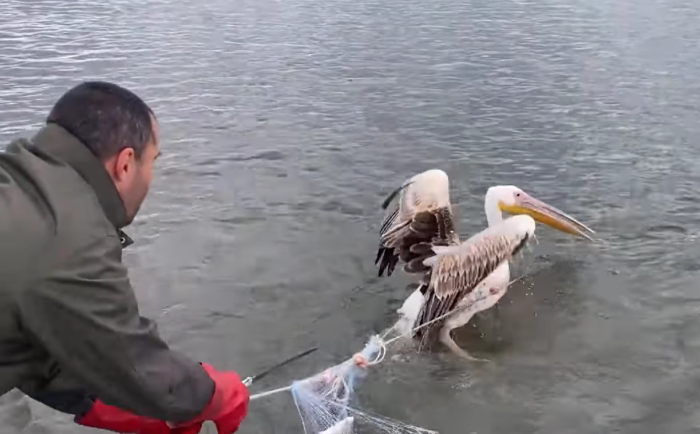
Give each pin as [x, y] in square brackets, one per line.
[447, 340]
[495, 294]
[496, 323]
[453, 322]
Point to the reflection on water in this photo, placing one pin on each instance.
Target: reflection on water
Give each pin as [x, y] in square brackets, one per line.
[286, 123]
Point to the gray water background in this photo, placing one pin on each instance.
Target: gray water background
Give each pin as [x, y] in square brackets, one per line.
[284, 124]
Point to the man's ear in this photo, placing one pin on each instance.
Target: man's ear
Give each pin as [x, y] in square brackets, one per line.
[123, 164]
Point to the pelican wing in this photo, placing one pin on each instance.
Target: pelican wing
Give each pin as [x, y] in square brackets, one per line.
[422, 214]
[395, 224]
[457, 270]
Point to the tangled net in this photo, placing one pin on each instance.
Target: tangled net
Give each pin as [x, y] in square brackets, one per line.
[323, 400]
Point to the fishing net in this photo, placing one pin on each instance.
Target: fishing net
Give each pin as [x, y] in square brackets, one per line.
[324, 400]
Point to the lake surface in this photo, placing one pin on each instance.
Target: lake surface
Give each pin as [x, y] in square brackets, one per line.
[284, 125]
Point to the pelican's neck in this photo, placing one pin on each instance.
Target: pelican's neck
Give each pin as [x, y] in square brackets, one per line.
[494, 215]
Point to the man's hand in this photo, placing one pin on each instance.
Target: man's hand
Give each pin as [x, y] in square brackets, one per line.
[227, 408]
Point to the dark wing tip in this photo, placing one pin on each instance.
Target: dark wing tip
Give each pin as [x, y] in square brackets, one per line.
[389, 198]
[393, 194]
[387, 260]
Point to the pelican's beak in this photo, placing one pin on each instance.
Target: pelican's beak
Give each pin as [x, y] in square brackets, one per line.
[548, 215]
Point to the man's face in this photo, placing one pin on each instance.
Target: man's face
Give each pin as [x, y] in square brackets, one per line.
[133, 176]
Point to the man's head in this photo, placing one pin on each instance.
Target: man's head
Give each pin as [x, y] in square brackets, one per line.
[119, 128]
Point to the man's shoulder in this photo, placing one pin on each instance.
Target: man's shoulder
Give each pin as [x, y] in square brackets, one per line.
[52, 213]
[53, 189]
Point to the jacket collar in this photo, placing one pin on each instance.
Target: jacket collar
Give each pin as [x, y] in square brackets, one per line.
[62, 145]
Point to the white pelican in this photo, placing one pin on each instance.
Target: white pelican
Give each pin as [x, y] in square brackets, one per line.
[470, 276]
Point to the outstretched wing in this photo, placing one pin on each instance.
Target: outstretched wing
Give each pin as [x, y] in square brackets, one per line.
[398, 219]
[422, 214]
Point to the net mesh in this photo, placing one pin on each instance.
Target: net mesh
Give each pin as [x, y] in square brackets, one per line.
[323, 400]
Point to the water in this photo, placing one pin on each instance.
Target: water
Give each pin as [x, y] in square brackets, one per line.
[284, 124]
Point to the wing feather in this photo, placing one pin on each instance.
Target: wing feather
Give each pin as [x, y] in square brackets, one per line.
[389, 221]
[386, 258]
[410, 222]
[459, 269]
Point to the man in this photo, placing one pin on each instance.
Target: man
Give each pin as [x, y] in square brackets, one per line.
[71, 335]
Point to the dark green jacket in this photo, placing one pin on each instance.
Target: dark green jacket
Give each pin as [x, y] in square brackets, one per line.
[70, 328]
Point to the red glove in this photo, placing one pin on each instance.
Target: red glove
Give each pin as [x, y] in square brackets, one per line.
[106, 417]
[227, 407]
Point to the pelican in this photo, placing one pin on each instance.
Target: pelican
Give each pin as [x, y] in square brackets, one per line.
[464, 277]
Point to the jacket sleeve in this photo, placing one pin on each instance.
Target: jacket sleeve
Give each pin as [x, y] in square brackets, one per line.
[85, 315]
[57, 390]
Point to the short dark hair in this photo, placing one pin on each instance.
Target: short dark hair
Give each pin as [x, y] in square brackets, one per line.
[105, 117]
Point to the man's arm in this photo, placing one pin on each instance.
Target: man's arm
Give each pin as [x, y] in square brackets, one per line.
[85, 314]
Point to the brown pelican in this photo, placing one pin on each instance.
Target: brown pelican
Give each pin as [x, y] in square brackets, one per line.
[465, 277]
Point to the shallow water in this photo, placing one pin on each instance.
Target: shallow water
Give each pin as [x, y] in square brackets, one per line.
[284, 124]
